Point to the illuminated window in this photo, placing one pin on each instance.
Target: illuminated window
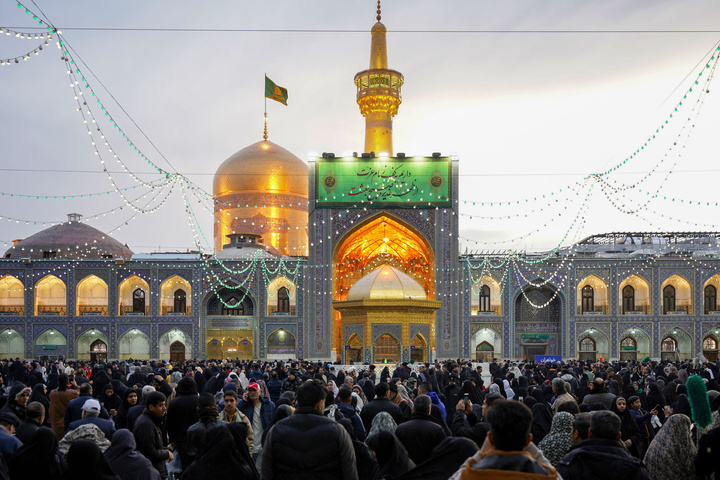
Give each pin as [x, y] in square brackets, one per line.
[588, 299]
[628, 295]
[668, 299]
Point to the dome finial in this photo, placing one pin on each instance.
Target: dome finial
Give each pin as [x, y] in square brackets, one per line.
[378, 11]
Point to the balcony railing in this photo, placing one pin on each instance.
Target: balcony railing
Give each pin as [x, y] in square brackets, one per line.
[51, 310]
[679, 310]
[92, 310]
[494, 310]
[128, 310]
[12, 310]
[170, 310]
[272, 310]
[598, 310]
[639, 310]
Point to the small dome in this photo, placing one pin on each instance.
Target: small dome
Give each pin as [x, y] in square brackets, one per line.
[386, 283]
[72, 239]
[262, 167]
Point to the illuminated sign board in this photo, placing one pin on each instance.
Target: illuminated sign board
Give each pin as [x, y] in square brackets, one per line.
[420, 182]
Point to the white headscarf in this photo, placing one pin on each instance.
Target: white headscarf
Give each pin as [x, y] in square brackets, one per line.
[244, 380]
[508, 391]
[334, 388]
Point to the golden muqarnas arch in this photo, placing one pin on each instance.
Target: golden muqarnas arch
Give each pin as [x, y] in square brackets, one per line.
[380, 240]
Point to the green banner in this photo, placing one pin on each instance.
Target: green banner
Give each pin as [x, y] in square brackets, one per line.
[49, 347]
[535, 335]
[272, 91]
[420, 182]
[630, 348]
[484, 347]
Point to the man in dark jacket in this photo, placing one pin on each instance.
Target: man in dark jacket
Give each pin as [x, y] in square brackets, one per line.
[601, 453]
[381, 403]
[420, 435]
[34, 418]
[599, 394]
[260, 412]
[452, 393]
[308, 445]
[147, 433]
[274, 387]
[74, 410]
[181, 413]
[207, 416]
[345, 406]
[90, 412]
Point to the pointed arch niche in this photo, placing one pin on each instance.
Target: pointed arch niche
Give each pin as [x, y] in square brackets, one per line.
[634, 295]
[676, 295]
[133, 296]
[710, 295]
[485, 297]
[592, 296]
[281, 297]
[134, 344]
[12, 296]
[92, 296]
[175, 296]
[50, 296]
[380, 240]
[634, 344]
[12, 344]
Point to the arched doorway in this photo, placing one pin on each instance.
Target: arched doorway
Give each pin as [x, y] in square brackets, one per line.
[92, 296]
[12, 296]
[538, 319]
[12, 344]
[628, 348]
[281, 344]
[379, 240]
[484, 352]
[417, 349]
[98, 351]
[387, 349]
[710, 348]
[588, 349]
[50, 296]
[134, 344]
[171, 337]
[177, 351]
[353, 350]
[635, 293]
[668, 348]
[50, 345]
[214, 349]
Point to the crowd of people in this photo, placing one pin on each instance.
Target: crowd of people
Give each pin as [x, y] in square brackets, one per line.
[294, 420]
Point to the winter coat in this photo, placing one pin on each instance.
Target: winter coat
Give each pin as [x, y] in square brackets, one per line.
[181, 413]
[376, 406]
[349, 412]
[59, 401]
[308, 445]
[149, 441]
[267, 410]
[595, 457]
[507, 466]
[420, 435]
[275, 388]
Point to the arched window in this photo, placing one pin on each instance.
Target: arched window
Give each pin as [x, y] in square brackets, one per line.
[587, 344]
[668, 299]
[484, 298]
[710, 343]
[628, 294]
[710, 299]
[139, 301]
[387, 348]
[668, 344]
[232, 306]
[417, 349]
[588, 299]
[283, 300]
[180, 300]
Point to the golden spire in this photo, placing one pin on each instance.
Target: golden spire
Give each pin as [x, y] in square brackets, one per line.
[378, 93]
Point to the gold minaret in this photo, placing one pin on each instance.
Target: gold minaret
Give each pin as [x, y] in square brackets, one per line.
[378, 93]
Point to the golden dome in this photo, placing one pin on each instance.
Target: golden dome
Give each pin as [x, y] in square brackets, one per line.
[262, 167]
[386, 283]
[263, 190]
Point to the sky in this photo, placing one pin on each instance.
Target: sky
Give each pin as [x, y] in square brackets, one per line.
[532, 96]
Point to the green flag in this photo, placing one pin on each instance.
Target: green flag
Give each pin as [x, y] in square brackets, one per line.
[273, 92]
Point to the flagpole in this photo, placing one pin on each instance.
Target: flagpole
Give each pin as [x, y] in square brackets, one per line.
[265, 133]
